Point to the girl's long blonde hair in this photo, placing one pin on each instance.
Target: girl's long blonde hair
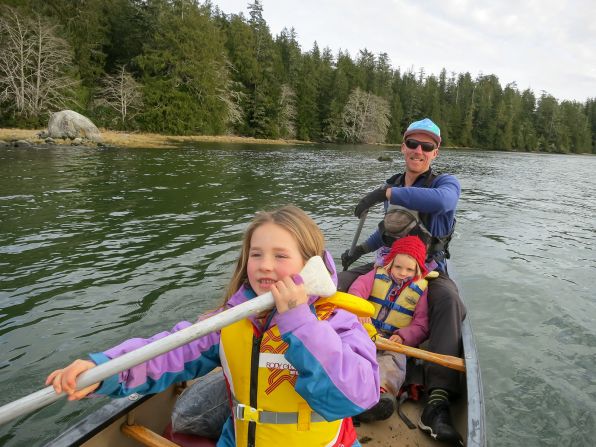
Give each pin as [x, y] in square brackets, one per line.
[292, 219]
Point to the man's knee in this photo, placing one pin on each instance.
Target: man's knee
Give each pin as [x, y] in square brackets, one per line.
[443, 295]
[345, 280]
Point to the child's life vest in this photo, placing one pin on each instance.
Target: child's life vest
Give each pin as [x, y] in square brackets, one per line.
[266, 408]
[401, 311]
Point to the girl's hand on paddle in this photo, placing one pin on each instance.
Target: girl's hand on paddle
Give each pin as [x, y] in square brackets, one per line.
[64, 380]
[397, 339]
[289, 293]
[365, 320]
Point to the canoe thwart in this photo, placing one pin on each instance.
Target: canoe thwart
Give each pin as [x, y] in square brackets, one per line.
[145, 436]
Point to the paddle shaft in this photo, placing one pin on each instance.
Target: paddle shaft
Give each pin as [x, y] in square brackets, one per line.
[101, 372]
[448, 361]
[358, 231]
[357, 234]
[317, 281]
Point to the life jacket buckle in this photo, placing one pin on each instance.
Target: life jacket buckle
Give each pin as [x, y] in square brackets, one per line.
[247, 413]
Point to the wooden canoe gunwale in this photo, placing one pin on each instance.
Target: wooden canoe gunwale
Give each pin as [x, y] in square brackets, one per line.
[476, 433]
[101, 418]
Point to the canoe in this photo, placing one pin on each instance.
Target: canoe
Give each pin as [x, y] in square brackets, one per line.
[124, 422]
[118, 421]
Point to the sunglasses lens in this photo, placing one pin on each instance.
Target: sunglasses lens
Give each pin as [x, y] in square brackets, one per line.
[413, 144]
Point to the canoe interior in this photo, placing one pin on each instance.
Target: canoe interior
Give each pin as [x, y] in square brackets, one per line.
[102, 428]
[394, 432]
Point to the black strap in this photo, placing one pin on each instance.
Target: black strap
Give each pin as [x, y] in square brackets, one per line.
[402, 398]
[438, 248]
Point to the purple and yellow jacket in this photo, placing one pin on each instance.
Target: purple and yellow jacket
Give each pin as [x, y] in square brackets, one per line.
[335, 361]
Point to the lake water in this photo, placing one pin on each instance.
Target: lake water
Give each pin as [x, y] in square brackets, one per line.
[101, 245]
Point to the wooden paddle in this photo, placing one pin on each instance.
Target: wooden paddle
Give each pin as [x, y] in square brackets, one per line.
[448, 361]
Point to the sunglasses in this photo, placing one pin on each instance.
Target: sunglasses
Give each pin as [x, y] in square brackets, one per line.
[413, 144]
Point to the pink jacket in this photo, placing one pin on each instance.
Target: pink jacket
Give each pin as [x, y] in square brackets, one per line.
[413, 334]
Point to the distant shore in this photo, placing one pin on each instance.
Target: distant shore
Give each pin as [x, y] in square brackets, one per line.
[140, 140]
[157, 141]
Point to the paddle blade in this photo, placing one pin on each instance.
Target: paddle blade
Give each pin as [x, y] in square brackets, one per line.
[317, 279]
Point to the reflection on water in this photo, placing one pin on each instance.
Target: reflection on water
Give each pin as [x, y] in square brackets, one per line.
[100, 245]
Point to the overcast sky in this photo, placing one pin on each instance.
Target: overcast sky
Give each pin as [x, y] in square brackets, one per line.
[545, 45]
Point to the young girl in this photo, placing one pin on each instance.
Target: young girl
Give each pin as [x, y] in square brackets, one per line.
[295, 374]
[398, 291]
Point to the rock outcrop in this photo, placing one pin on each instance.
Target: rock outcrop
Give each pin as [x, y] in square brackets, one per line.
[70, 124]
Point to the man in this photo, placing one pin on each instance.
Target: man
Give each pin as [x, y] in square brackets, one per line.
[423, 203]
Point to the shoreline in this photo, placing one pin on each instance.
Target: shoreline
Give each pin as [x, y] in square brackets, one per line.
[140, 140]
[145, 140]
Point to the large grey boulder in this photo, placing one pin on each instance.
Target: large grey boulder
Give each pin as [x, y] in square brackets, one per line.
[70, 124]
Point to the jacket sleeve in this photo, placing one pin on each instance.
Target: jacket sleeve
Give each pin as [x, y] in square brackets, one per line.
[417, 331]
[338, 374]
[441, 198]
[374, 241]
[186, 362]
[362, 286]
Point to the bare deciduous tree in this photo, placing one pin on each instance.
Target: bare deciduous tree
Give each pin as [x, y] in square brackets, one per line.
[365, 118]
[287, 114]
[230, 95]
[121, 93]
[33, 64]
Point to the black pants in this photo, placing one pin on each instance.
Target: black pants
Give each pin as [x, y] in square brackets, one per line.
[445, 314]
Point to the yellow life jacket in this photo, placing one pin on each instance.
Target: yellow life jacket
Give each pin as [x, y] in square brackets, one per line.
[401, 310]
[267, 410]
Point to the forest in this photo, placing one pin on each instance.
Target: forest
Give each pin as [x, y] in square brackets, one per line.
[183, 67]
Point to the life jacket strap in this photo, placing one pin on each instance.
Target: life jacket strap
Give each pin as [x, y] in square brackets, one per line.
[393, 305]
[247, 413]
[385, 327]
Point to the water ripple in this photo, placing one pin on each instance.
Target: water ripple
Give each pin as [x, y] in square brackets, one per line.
[99, 246]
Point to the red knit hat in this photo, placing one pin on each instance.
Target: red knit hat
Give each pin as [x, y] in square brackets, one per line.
[411, 246]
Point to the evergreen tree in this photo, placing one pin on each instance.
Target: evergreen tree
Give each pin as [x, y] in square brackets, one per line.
[396, 131]
[548, 124]
[527, 137]
[487, 99]
[308, 125]
[202, 71]
[183, 78]
[576, 128]
[590, 112]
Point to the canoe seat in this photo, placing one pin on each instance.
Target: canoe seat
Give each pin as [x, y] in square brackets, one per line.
[185, 440]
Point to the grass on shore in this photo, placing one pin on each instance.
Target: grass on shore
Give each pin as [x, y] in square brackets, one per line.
[142, 140]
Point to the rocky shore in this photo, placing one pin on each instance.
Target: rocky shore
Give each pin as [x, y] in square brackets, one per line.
[34, 137]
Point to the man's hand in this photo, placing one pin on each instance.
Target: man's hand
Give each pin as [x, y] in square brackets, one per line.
[372, 198]
[348, 259]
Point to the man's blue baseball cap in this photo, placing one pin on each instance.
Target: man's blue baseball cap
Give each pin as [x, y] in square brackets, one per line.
[425, 126]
